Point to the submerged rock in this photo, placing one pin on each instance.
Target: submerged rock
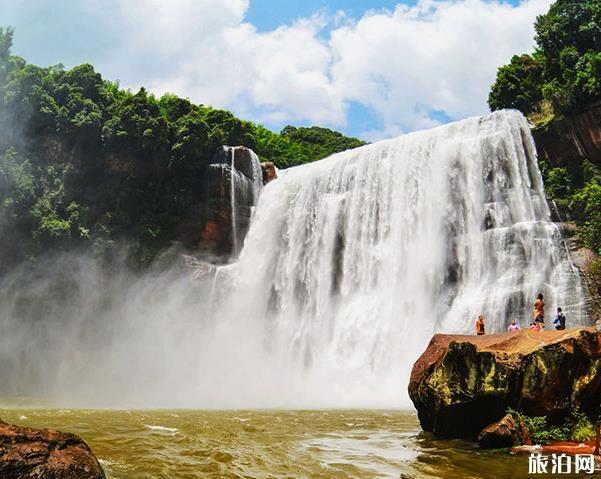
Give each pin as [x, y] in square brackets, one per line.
[461, 384]
[503, 433]
[27, 453]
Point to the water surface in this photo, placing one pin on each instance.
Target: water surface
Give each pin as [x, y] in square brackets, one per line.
[182, 444]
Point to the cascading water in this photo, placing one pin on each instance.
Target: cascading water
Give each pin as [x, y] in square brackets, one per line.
[233, 204]
[353, 262]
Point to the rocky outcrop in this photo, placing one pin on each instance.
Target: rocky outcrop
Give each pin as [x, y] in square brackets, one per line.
[234, 179]
[27, 453]
[571, 139]
[504, 433]
[270, 172]
[462, 384]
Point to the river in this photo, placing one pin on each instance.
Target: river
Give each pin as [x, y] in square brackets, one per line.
[186, 444]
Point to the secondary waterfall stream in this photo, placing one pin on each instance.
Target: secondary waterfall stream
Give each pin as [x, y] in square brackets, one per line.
[350, 265]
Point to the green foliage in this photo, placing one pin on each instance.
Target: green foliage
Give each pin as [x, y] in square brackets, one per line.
[518, 85]
[576, 427]
[565, 68]
[581, 428]
[295, 146]
[558, 183]
[84, 162]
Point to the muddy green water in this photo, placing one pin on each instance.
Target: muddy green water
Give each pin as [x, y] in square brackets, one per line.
[269, 444]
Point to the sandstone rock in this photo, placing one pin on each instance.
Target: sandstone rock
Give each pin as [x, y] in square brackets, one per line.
[461, 384]
[571, 139]
[503, 433]
[27, 453]
[270, 172]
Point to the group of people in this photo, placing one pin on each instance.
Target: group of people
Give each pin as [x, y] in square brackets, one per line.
[537, 323]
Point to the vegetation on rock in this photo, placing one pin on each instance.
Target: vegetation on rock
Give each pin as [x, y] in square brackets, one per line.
[84, 162]
[576, 427]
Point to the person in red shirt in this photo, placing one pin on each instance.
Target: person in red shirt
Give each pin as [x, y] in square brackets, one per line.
[480, 325]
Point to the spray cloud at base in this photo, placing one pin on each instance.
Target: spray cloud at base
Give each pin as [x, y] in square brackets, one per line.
[350, 265]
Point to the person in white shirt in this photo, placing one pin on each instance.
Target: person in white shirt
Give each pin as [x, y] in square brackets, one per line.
[513, 327]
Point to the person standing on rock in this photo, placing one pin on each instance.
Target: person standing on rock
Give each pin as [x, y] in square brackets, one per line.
[480, 325]
[560, 320]
[538, 313]
[513, 327]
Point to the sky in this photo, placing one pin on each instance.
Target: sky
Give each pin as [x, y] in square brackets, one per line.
[373, 69]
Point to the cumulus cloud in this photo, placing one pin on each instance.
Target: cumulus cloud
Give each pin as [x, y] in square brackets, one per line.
[411, 67]
[435, 59]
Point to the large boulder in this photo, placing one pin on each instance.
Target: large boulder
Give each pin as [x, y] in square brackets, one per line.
[27, 453]
[461, 384]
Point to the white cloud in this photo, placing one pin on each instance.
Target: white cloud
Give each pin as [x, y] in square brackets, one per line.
[403, 65]
[438, 55]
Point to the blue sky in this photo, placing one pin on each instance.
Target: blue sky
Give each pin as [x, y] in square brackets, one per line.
[370, 69]
[269, 14]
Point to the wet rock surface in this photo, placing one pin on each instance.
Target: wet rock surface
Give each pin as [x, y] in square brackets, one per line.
[462, 384]
[504, 433]
[28, 453]
[234, 180]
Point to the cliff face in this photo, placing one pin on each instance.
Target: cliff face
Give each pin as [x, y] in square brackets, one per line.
[461, 384]
[233, 182]
[571, 139]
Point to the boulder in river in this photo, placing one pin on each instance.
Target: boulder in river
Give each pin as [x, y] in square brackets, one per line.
[504, 433]
[28, 453]
[461, 383]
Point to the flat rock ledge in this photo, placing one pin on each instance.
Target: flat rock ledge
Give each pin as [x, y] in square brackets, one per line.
[461, 384]
[28, 453]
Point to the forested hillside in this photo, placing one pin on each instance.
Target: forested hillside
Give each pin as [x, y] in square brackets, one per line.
[85, 163]
[559, 80]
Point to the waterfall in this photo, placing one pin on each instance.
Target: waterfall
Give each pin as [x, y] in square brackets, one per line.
[353, 262]
[350, 265]
[233, 204]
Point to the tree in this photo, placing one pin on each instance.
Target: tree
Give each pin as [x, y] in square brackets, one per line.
[565, 69]
[518, 85]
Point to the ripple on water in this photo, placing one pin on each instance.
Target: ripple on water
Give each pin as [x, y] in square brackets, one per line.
[172, 431]
[370, 453]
